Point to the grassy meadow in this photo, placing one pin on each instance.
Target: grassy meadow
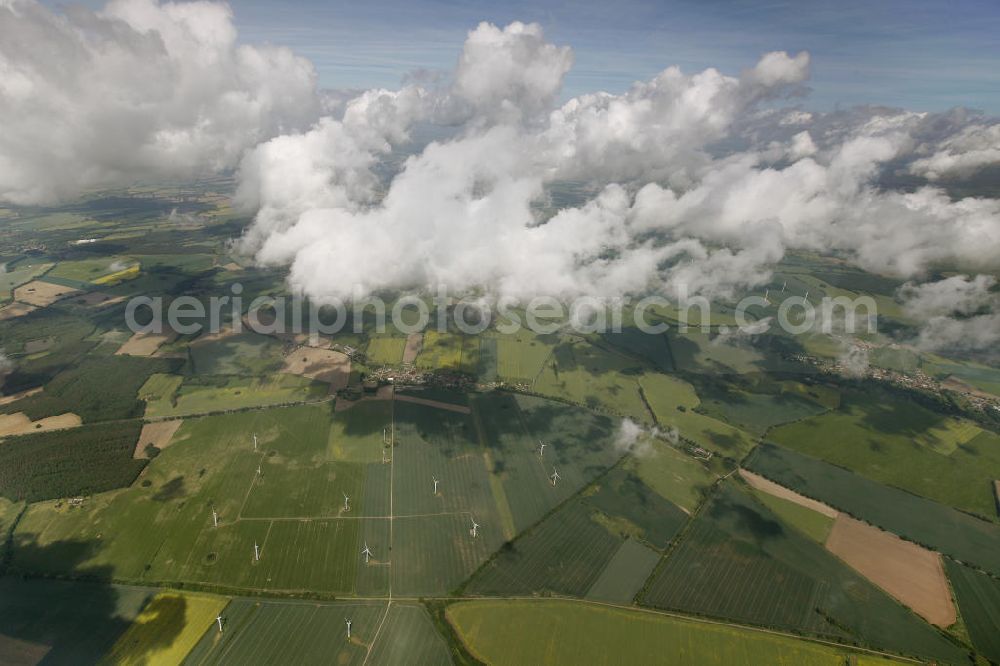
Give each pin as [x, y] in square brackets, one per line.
[903, 444]
[556, 632]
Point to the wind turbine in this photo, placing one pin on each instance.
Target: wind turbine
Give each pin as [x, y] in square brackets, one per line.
[806, 297]
[258, 470]
[475, 526]
[783, 285]
[541, 449]
[256, 552]
[555, 476]
[255, 441]
[766, 292]
[347, 502]
[348, 628]
[367, 552]
[385, 436]
[215, 518]
[435, 485]
[218, 619]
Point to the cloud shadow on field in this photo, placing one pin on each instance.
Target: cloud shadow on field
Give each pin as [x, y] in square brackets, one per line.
[70, 622]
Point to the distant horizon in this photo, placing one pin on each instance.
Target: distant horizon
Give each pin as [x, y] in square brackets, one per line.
[921, 56]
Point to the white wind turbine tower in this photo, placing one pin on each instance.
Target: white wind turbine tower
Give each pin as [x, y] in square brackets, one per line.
[215, 518]
[541, 449]
[555, 476]
[218, 619]
[783, 285]
[347, 502]
[255, 441]
[766, 292]
[258, 470]
[435, 485]
[367, 552]
[475, 527]
[256, 552]
[348, 628]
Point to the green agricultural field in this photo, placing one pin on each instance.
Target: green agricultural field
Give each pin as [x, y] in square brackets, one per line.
[813, 524]
[565, 555]
[555, 632]
[923, 521]
[900, 443]
[385, 350]
[243, 354]
[299, 478]
[71, 462]
[409, 637]
[824, 395]
[270, 632]
[754, 412]
[433, 550]
[568, 551]
[287, 497]
[56, 622]
[739, 562]
[597, 378]
[675, 475]
[822, 345]
[432, 555]
[579, 444]
[211, 464]
[50, 221]
[159, 387]
[629, 506]
[666, 392]
[488, 360]
[673, 402]
[978, 597]
[898, 359]
[981, 376]
[654, 349]
[12, 277]
[840, 283]
[85, 272]
[359, 434]
[520, 356]
[625, 574]
[711, 354]
[170, 624]
[96, 389]
[437, 394]
[719, 315]
[47, 323]
[209, 394]
[9, 512]
[447, 351]
[848, 277]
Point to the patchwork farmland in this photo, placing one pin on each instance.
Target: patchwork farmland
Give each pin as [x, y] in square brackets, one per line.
[510, 513]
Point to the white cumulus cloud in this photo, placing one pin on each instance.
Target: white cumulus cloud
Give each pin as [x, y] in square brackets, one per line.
[138, 89]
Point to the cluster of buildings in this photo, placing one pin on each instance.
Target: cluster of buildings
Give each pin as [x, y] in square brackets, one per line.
[917, 379]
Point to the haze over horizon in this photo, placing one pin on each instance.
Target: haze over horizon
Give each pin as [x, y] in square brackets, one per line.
[923, 56]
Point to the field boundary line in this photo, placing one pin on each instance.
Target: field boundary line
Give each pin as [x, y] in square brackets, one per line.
[378, 631]
[306, 519]
[530, 528]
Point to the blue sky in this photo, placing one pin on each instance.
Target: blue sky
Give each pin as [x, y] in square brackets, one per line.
[915, 54]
